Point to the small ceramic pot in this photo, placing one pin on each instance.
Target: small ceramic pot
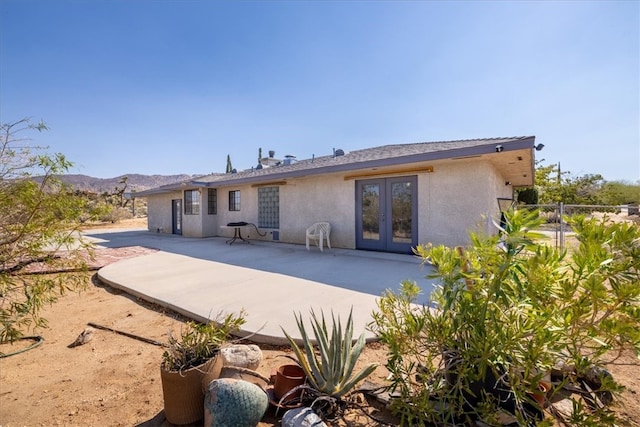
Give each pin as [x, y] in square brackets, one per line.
[287, 378]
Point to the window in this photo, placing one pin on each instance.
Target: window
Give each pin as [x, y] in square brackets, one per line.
[269, 207]
[192, 202]
[234, 200]
[212, 201]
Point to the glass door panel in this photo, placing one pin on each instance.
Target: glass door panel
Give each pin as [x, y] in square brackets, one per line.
[370, 212]
[176, 206]
[401, 212]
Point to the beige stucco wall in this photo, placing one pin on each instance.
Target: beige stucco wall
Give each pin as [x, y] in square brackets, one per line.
[457, 196]
[159, 217]
[302, 202]
[324, 199]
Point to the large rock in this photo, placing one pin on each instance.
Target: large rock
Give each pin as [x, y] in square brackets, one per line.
[242, 356]
[302, 417]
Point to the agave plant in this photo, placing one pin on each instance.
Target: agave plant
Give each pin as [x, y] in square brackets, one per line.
[330, 372]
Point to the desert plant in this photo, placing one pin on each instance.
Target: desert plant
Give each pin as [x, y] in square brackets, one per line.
[39, 219]
[507, 310]
[528, 196]
[116, 214]
[199, 342]
[330, 372]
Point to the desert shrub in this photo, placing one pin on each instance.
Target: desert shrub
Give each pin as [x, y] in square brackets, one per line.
[508, 309]
[38, 223]
[528, 196]
[115, 214]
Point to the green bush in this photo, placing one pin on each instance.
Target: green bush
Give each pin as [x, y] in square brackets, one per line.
[528, 196]
[198, 342]
[508, 309]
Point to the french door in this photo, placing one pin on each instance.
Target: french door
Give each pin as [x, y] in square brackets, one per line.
[386, 214]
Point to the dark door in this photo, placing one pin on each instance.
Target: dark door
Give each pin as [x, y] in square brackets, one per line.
[176, 217]
[386, 214]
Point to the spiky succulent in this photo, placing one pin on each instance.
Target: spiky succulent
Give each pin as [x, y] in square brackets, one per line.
[330, 371]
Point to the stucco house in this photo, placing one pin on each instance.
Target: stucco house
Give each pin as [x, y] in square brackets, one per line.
[388, 198]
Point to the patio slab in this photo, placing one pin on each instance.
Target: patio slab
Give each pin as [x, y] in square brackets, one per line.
[199, 277]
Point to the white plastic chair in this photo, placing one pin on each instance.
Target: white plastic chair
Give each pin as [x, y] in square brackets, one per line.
[318, 232]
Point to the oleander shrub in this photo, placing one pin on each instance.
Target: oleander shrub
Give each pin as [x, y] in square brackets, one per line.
[507, 310]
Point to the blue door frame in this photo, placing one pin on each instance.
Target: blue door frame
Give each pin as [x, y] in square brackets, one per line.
[387, 214]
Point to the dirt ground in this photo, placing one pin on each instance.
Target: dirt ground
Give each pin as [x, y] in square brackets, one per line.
[115, 380]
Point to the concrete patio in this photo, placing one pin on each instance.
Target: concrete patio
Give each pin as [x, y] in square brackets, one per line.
[199, 277]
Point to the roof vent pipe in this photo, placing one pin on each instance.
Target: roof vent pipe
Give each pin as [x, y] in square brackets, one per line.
[272, 153]
[289, 159]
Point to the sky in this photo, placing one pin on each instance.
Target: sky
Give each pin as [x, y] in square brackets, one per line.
[171, 87]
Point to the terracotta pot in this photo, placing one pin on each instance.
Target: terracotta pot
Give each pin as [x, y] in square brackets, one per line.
[287, 378]
[541, 394]
[183, 391]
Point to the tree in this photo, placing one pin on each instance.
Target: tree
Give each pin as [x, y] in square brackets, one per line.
[38, 230]
[229, 167]
[548, 181]
[620, 193]
[555, 186]
[528, 196]
[119, 192]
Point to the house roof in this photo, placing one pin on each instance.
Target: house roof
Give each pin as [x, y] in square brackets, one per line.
[497, 149]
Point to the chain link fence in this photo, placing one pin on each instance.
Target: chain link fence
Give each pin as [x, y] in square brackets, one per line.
[555, 215]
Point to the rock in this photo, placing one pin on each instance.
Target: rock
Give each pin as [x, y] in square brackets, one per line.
[563, 408]
[302, 417]
[595, 375]
[246, 375]
[232, 402]
[242, 356]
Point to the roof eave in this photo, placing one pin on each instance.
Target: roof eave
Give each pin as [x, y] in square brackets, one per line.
[474, 151]
[524, 143]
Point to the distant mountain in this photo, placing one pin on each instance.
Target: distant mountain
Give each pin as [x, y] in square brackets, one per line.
[135, 182]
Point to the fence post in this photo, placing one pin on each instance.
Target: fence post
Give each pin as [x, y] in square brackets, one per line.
[562, 230]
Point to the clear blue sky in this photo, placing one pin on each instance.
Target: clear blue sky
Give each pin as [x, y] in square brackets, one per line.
[168, 87]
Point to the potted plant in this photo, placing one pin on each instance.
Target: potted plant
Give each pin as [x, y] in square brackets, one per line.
[190, 362]
[329, 371]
